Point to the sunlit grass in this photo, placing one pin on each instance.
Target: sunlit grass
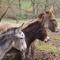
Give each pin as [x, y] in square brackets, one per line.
[47, 47]
[54, 36]
[13, 22]
[58, 20]
[50, 47]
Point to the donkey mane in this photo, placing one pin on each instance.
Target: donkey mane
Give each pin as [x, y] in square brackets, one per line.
[10, 29]
[33, 23]
[8, 34]
[34, 31]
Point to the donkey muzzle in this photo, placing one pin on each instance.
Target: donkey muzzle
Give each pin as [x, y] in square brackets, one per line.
[47, 39]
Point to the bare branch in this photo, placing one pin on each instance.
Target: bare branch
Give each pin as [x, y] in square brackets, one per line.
[3, 14]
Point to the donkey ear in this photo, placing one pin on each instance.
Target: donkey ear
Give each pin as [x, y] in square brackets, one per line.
[51, 9]
[20, 27]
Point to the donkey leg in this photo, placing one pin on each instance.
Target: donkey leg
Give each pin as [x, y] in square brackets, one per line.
[27, 54]
[2, 53]
[32, 50]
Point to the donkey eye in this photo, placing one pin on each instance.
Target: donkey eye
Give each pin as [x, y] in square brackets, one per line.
[21, 38]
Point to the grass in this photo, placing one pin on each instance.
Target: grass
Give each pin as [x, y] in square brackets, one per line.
[47, 47]
[52, 45]
[55, 37]
[13, 22]
[58, 20]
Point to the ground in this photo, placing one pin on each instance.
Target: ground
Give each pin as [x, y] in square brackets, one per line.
[49, 50]
[43, 51]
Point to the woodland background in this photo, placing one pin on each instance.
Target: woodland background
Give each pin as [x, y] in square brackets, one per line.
[23, 9]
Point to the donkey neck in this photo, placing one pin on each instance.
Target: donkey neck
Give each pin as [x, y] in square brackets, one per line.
[30, 31]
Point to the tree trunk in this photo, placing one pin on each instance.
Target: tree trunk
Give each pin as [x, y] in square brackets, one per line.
[3, 14]
[46, 5]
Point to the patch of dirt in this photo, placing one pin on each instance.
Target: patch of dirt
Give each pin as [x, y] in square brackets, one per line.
[43, 55]
[14, 54]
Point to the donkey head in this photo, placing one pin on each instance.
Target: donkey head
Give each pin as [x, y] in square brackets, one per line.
[49, 19]
[21, 39]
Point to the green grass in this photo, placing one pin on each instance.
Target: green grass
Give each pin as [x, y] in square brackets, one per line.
[47, 47]
[13, 22]
[58, 20]
[55, 37]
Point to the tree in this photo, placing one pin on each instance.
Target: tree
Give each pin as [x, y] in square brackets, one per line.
[46, 5]
[33, 5]
[3, 14]
[3, 10]
[12, 10]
